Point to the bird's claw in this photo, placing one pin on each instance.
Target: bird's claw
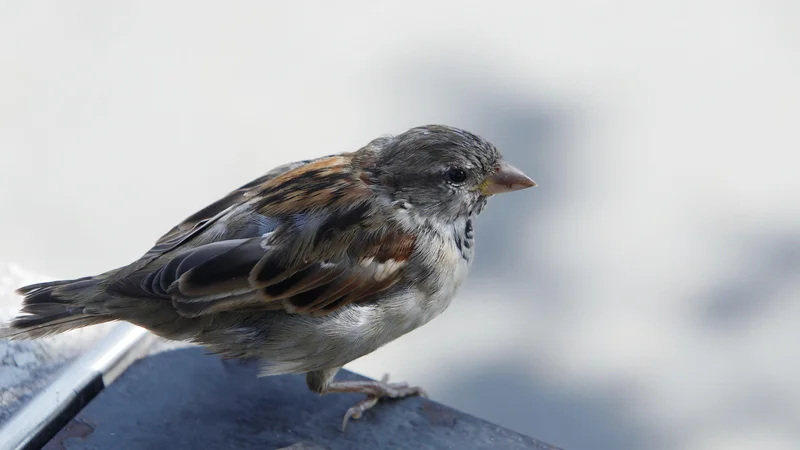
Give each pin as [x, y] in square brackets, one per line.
[358, 409]
[384, 389]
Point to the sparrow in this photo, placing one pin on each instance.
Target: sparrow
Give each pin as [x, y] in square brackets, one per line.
[308, 267]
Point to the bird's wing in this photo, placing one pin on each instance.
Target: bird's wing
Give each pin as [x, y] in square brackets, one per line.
[200, 220]
[326, 248]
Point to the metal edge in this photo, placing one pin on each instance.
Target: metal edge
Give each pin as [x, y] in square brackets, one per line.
[38, 421]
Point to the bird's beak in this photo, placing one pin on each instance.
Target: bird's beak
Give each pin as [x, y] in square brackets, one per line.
[507, 178]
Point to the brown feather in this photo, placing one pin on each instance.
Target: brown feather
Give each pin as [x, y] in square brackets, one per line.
[325, 183]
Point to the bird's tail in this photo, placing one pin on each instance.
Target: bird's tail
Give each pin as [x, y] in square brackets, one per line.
[55, 307]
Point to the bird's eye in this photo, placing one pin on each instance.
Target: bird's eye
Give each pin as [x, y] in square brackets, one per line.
[456, 175]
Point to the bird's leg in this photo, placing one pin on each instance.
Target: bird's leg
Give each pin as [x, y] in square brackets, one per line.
[322, 382]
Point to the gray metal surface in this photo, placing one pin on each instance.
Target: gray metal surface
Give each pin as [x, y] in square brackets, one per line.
[184, 399]
[59, 401]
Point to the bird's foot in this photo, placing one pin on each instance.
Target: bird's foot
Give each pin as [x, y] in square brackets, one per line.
[374, 391]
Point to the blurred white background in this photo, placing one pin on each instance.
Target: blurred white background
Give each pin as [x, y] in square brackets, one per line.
[646, 295]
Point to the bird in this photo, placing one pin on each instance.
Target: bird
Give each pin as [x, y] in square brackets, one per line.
[307, 268]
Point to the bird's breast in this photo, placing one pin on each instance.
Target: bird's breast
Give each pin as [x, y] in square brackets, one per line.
[445, 260]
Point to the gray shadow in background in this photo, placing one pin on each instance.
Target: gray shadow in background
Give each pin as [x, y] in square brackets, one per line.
[771, 263]
[535, 134]
[751, 294]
